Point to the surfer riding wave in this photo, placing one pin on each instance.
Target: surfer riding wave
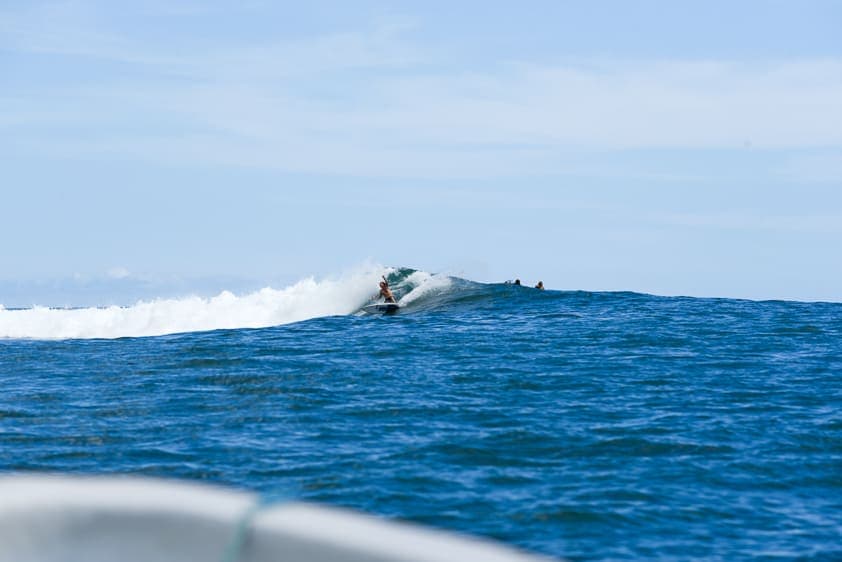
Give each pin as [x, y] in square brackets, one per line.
[385, 292]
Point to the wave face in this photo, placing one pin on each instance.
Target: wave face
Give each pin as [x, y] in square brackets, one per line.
[304, 300]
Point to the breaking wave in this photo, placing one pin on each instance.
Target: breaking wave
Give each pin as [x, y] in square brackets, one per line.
[303, 300]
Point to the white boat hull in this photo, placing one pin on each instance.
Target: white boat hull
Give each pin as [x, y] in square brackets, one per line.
[107, 519]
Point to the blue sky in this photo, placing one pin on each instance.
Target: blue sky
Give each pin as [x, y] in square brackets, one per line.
[664, 147]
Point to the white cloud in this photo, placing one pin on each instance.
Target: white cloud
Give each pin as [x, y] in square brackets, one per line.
[371, 102]
[629, 105]
[819, 224]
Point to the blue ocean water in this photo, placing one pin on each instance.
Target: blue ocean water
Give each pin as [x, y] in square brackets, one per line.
[591, 426]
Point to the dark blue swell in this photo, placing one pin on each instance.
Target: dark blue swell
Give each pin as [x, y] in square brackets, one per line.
[586, 425]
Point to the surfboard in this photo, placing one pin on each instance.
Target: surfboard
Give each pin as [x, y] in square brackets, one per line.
[382, 308]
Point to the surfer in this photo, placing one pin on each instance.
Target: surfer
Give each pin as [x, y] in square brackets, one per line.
[517, 281]
[540, 285]
[385, 292]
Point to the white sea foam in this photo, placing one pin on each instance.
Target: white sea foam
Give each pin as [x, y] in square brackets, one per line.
[306, 299]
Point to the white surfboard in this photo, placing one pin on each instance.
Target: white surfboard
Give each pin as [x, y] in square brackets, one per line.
[382, 308]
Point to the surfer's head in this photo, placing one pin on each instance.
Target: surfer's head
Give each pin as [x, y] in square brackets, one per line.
[383, 285]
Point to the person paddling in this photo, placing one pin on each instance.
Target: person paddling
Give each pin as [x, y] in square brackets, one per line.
[385, 292]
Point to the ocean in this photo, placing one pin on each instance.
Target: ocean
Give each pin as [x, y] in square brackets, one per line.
[590, 426]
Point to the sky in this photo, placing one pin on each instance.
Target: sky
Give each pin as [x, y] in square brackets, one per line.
[675, 148]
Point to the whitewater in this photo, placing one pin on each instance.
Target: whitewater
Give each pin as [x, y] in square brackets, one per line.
[306, 299]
